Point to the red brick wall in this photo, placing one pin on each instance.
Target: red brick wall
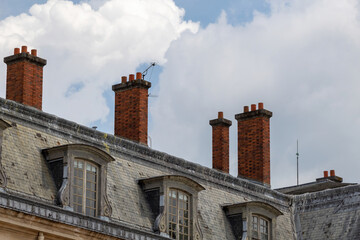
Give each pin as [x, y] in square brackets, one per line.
[254, 145]
[24, 79]
[220, 143]
[131, 110]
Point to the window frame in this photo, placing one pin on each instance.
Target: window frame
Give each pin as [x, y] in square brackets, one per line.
[84, 195]
[258, 227]
[162, 185]
[177, 213]
[60, 161]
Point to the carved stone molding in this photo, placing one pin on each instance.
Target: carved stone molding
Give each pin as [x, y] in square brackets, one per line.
[62, 195]
[160, 223]
[106, 209]
[3, 179]
[41, 236]
[197, 230]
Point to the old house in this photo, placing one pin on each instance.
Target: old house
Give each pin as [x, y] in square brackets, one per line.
[61, 180]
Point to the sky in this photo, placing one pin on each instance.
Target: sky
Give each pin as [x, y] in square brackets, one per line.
[300, 58]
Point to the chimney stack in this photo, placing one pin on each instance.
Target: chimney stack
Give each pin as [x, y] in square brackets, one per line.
[131, 108]
[220, 142]
[254, 144]
[24, 78]
[332, 177]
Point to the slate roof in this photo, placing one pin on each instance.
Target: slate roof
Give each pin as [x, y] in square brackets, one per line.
[30, 184]
[329, 214]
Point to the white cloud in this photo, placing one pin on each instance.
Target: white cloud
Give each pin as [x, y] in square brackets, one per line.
[91, 47]
[302, 61]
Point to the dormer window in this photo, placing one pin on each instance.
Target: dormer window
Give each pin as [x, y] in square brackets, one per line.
[79, 172]
[173, 200]
[252, 220]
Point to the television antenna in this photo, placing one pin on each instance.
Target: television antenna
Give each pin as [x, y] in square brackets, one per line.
[144, 73]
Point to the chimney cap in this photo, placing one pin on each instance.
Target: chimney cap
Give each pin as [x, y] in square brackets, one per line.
[34, 52]
[220, 120]
[253, 107]
[25, 55]
[332, 177]
[220, 115]
[23, 49]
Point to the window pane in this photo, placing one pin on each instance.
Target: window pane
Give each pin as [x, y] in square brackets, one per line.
[90, 177]
[78, 208]
[91, 186]
[255, 223]
[84, 200]
[178, 215]
[78, 181]
[90, 212]
[90, 194]
[90, 203]
[186, 222]
[260, 228]
[80, 164]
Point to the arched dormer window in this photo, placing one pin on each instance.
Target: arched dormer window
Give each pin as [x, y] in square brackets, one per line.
[252, 220]
[79, 172]
[173, 200]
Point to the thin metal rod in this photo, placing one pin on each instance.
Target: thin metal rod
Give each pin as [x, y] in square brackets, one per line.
[297, 161]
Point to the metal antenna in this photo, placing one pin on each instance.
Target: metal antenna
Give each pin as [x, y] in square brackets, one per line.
[147, 69]
[297, 161]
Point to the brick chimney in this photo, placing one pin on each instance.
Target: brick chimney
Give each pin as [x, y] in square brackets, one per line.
[220, 142]
[131, 108]
[24, 78]
[254, 143]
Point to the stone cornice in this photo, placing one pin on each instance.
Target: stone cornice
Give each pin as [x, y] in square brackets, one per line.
[220, 121]
[57, 214]
[131, 84]
[25, 56]
[253, 114]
